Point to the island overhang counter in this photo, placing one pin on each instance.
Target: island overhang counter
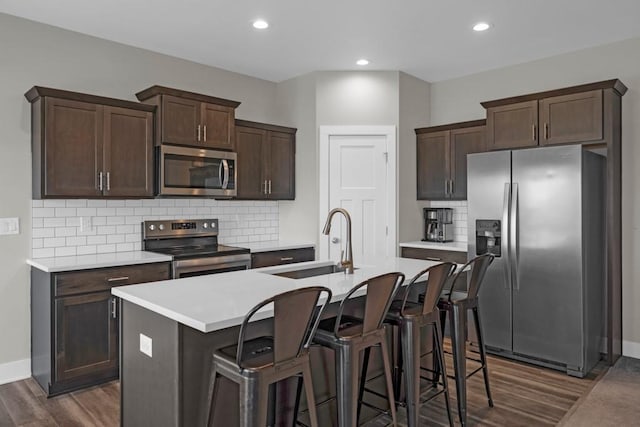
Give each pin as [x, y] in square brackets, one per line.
[170, 329]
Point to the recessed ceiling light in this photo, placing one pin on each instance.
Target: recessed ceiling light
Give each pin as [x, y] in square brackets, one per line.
[481, 26]
[260, 24]
[362, 62]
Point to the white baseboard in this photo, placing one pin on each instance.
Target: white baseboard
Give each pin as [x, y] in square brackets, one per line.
[631, 349]
[15, 371]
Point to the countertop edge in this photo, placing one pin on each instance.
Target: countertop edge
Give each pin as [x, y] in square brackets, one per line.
[449, 246]
[48, 265]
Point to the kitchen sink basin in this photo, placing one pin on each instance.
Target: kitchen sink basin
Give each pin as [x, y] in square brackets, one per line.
[311, 271]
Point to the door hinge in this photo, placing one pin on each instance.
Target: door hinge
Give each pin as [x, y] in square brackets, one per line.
[387, 231]
[386, 156]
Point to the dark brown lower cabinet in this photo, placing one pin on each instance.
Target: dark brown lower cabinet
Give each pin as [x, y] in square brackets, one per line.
[289, 256]
[86, 336]
[74, 324]
[439, 255]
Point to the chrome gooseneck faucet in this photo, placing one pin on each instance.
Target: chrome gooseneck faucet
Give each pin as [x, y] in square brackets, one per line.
[346, 262]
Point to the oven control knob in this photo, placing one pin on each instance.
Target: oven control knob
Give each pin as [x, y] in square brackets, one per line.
[152, 227]
[205, 225]
[161, 227]
[213, 225]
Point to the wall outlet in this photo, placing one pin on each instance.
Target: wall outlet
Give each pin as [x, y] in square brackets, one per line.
[146, 345]
[9, 226]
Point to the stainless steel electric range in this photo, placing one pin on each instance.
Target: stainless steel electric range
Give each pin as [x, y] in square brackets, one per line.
[193, 244]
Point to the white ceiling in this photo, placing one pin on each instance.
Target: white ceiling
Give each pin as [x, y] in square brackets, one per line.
[430, 39]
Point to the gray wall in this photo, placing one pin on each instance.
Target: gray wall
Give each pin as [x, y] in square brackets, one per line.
[36, 54]
[343, 98]
[458, 100]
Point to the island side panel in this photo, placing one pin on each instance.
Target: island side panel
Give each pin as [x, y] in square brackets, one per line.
[41, 355]
[149, 385]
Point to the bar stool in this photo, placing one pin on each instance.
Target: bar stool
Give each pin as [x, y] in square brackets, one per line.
[457, 304]
[410, 318]
[256, 363]
[348, 336]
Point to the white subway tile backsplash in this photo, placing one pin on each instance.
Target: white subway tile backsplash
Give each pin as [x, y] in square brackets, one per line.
[115, 224]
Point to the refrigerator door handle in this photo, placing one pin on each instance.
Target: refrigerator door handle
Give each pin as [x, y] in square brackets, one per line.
[505, 242]
[514, 241]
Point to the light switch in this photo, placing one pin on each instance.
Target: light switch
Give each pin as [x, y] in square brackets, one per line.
[146, 345]
[9, 226]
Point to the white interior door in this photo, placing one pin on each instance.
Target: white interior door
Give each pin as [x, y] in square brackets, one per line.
[361, 179]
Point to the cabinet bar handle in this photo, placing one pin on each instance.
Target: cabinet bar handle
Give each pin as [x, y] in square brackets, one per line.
[269, 186]
[199, 132]
[546, 131]
[108, 181]
[446, 187]
[286, 258]
[264, 187]
[117, 279]
[432, 259]
[100, 177]
[205, 132]
[451, 187]
[533, 132]
[114, 308]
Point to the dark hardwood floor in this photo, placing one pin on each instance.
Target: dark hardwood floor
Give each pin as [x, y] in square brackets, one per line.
[524, 395]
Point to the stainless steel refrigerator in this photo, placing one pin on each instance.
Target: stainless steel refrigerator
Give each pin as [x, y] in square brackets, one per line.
[541, 211]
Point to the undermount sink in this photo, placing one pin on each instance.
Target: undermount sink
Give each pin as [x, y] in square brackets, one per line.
[310, 271]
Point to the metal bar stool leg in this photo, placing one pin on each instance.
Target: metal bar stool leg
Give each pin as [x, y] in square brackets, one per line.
[458, 345]
[483, 354]
[397, 373]
[439, 349]
[296, 406]
[254, 403]
[387, 374]
[411, 356]
[311, 400]
[363, 380]
[347, 386]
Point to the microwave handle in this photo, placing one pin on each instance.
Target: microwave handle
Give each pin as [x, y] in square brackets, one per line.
[225, 182]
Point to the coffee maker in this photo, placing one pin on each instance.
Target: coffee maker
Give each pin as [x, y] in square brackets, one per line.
[438, 224]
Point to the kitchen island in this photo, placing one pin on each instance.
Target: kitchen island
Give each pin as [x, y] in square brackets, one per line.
[170, 329]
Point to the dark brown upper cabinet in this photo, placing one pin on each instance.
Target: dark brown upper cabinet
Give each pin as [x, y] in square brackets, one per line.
[90, 146]
[266, 161]
[565, 116]
[192, 119]
[441, 153]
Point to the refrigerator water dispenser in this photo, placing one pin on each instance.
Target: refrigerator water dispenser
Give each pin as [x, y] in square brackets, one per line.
[488, 237]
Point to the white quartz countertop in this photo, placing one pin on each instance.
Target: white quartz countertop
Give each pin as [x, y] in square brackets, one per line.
[276, 245]
[449, 246]
[212, 302]
[85, 262]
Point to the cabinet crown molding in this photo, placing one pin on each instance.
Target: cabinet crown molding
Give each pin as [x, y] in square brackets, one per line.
[38, 92]
[265, 126]
[163, 90]
[451, 126]
[614, 84]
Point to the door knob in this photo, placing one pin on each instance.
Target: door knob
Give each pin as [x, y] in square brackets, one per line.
[335, 240]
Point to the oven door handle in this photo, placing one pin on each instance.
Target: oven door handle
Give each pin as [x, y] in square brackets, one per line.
[225, 183]
[213, 263]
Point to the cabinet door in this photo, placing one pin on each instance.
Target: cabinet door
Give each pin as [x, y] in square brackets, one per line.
[128, 152]
[73, 156]
[281, 172]
[218, 124]
[464, 141]
[86, 336]
[513, 125]
[180, 120]
[432, 154]
[251, 150]
[571, 118]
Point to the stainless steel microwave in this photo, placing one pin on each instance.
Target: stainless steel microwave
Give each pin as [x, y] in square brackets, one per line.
[186, 171]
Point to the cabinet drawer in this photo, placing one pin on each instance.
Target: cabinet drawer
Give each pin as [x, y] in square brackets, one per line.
[267, 259]
[102, 279]
[435, 255]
